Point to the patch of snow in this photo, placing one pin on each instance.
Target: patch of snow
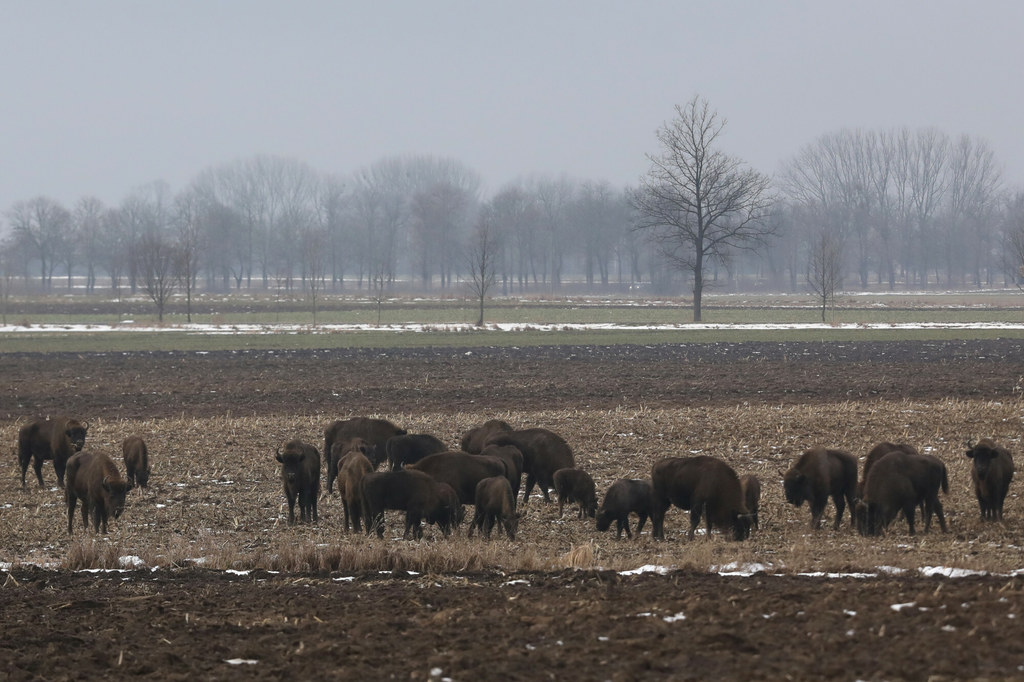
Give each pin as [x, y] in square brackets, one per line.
[648, 568]
[738, 569]
[899, 607]
[241, 661]
[929, 571]
[676, 618]
[131, 561]
[516, 582]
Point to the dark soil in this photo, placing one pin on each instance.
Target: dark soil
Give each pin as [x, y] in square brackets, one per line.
[187, 624]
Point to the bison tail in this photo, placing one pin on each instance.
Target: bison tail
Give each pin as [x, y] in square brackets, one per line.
[945, 480]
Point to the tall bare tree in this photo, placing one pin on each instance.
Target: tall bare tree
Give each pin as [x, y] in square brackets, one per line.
[41, 224]
[696, 201]
[825, 270]
[157, 266]
[482, 260]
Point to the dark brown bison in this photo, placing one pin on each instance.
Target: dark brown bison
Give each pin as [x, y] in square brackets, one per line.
[300, 475]
[625, 496]
[576, 485]
[751, 487]
[513, 459]
[374, 431]
[461, 470]
[411, 491]
[410, 448]
[544, 453]
[354, 465]
[57, 439]
[341, 448]
[94, 479]
[900, 482]
[705, 486]
[495, 504]
[475, 440]
[136, 460]
[991, 473]
[877, 452]
[821, 473]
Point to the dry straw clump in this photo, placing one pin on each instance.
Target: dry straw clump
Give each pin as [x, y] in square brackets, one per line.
[215, 495]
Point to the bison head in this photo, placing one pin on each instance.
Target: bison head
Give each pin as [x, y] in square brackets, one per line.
[982, 454]
[291, 463]
[116, 492]
[793, 485]
[741, 527]
[75, 432]
[604, 520]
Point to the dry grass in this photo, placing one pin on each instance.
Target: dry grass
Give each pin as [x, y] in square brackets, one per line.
[215, 497]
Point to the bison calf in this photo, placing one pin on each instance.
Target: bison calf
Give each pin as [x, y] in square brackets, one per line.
[136, 460]
[94, 479]
[625, 496]
[300, 475]
[354, 466]
[821, 473]
[55, 439]
[495, 503]
[576, 485]
[991, 474]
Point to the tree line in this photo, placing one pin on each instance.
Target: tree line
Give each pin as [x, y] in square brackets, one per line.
[896, 209]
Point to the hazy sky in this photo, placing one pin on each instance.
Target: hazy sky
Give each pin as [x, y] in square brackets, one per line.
[101, 97]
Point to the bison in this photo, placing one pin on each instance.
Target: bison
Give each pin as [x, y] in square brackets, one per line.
[819, 474]
[495, 503]
[705, 486]
[354, 465]
[136, 460]
[544, 453]
[625, 496]
[300, 475]
[94, 479]
[900, 482]
[991, 473]
[374, 431]
[576, 485]
[339, 449]
[57, 439]
[461, 470]
[751, 488]
[411, 491]
[877, 452]
[410, 448]
[475, 440]
[513, 459]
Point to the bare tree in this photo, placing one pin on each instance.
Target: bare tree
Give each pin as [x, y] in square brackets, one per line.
[156, 265]
[314, 249]
[824, 270]
[483, 254]
[1013, 231]
[188, 219]
[697, 202]
[41, 224]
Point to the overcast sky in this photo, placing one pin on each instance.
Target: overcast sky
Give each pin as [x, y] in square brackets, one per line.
[104, 96]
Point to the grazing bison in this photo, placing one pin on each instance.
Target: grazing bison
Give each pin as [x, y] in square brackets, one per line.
[410, 448]
[495, 503]
[411, 491]
[544, 453]
[705, 486]
[625, 496]
[819, 474]
[513, 459]
[576, 485]
[94, 479]
[899, 482]
[300, 475]
[136, 460]
[374, 431]
[461, 470]
[991, 473]
[56, 439]
[877, 452]
[354, 465]
[751, 488]
[475, 440]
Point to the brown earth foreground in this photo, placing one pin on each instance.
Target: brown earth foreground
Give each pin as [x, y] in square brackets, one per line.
[464, 609]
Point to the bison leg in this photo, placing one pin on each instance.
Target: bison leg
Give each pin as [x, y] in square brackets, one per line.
[531, 480]
[59, 465]
[658, 520]
[72, 501]
[488, 525]
[695, 514]
[643, 520]
[509, 530]
[24, 457]
[937, 508]
[37, 465]
[908, 511]
[840, 503]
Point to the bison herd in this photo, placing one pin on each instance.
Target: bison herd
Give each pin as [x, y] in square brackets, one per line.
[431, 484]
